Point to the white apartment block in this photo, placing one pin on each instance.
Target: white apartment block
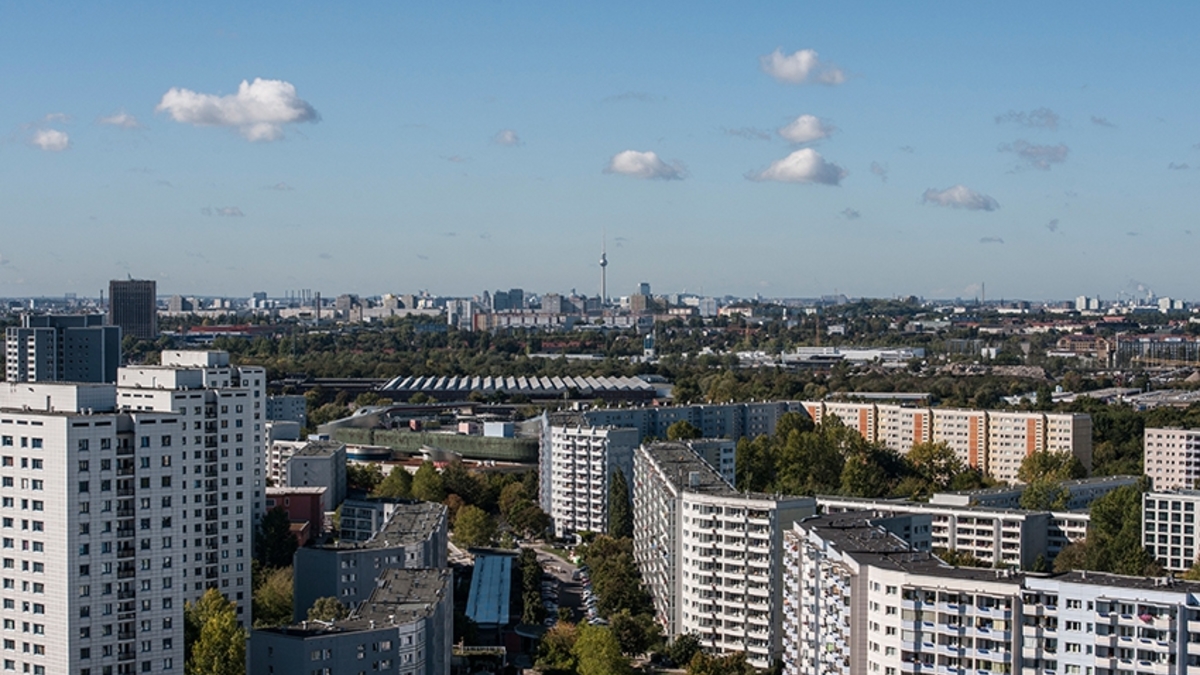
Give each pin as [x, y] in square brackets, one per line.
[220, 489]
[997, 536]
[709, 555]
[91, 555]
[860, 603]
[1172, 458]
[1169, 528]
[575, 466]
[995, 442]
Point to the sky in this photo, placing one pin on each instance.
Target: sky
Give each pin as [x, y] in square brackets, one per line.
[788, 149]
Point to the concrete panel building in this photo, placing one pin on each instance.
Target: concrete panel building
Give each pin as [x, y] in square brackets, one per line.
[1169, 528]
[414, 538]
[220, 439]
[288, 408]
[711, 556]
[576, 467]
[65, 348]
[405, 626]
[1171, 458]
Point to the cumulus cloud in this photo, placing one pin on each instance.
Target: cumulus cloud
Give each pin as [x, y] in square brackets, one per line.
[749, 133]
[1037, 156]
[851, 214]
[506, 137]
[1178, 167]
[258, 110]
[120, 119]
[879, 170]
[960, 197]
[50, 140]
[991, 240]
[1102, 122]
[806, 129]
[1041, 118]
[802, 166]
[1052, 225]
[645, 165]
[800, 67]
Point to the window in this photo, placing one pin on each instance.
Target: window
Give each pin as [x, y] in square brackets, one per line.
[83, 485]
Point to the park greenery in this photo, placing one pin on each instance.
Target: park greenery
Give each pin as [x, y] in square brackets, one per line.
[214, 643]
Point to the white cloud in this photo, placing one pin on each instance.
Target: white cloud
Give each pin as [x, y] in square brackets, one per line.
[806, 129]
[1038, 156]
[991, 240]
[506, 137]
[258, 110]
[960, 197]
[646, 165]
[851, 214]
[802, 166]
[51, 140]
[800, 67]
[1042, 118]
[1178, 167]
[121, 119]
[222, 211]
[1102, 122]
[1052, 225]
[879, 170]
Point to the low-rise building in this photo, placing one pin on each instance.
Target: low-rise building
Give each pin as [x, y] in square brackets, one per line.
[303, 506]
[405, 626]
[309, 464]
[414, 538]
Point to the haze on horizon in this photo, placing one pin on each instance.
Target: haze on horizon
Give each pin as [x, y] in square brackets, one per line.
[785, 149]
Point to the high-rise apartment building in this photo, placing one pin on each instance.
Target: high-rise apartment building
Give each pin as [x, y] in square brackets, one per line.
[65, 348]
[1171, 458]
[576, 468]
[92, 543]
[218, 467]
[709, 555]
[1169, 528]
[133, 305]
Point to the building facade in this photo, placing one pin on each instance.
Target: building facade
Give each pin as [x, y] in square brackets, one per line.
[1169, 528]
[414, 537]
[288, 408]
[1171, 458]
[576, 466]
[709, 555]
[67, 348]
[405, 626]
[220, 492]
[133, 305]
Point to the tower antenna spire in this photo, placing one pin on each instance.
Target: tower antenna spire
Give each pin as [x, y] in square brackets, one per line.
[604, 269]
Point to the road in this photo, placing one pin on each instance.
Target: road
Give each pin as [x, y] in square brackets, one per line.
[570, 593]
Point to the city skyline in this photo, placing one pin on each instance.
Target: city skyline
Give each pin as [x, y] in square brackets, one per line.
[787, 151]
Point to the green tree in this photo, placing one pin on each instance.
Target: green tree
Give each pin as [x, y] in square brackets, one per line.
[636, 634]
[1044, 465]
[1045, 495]
[936, 463]
[683, 648]
[363, 477]
[597, 652]
[218, 643]
[864, 477]
[427, 483]
[556, 650]
[728, 664]
[397, 484]
[474, 527]
[275, 544]
[529, 519]
[683, 430]
[510, 495]
[328, 608]
[620, 508]
[273, 599]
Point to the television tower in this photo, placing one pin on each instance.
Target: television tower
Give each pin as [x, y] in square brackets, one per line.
[604, 273]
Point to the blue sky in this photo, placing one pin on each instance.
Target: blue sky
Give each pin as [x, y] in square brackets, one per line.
[392, 147]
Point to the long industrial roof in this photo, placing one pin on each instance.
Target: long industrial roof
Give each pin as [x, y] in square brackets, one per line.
[491, 585]
[531, 386]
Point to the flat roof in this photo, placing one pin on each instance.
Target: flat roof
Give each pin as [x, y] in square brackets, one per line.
[491, 588]
[688, 471]
[411, 522]
[401, 596]
[318, 448]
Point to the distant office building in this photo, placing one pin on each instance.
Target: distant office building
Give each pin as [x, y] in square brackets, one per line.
[290, 408]
[1172, 458]
[178, 304]
[133, 305]
[405, 626]
[513, 299]
[711, 556]
[65, 348]
[413, 538]
[644, 288]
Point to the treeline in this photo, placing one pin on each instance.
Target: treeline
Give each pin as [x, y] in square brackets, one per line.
[803, 458]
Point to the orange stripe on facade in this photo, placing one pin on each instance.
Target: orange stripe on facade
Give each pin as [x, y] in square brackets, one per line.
[862, 423]
[973, 444]
[1030, 437]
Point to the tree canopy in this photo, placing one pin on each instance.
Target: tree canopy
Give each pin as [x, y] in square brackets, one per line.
[474, 527]
[397, 484]
[214, 643]
[620, 507]
[275, 544]
[427, 483]
[328, 608]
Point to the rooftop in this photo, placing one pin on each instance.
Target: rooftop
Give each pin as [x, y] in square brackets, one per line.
[411, 523]
[401, 596]
[491, 588]
[686, 470]
[318, 449]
